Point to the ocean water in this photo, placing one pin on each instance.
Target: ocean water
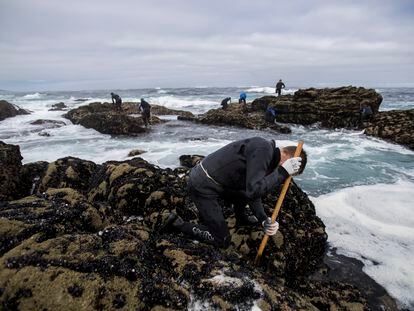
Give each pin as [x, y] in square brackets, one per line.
[362, 187]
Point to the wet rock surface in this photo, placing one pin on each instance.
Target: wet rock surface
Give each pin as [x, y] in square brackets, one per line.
[104, 118]
[132, 108]
[135, 152]
[237, 115]
[86, 239]
[48, 123]
[10, 166]
[8, 110]
[396, 126]
[58, 107]
[331, 107]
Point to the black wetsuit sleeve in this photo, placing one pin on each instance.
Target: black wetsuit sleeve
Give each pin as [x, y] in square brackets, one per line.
[257, 165]
[257, 208]
[283, 85]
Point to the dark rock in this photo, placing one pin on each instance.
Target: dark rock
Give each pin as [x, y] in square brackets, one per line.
[8, 110]
[119, 301]
[100, 233]
[48, 123]
[135, 152]
[10, 166]
[332, 107]
[105, 119]
[44, 134]
[31, 177]
[132, 108]
[116, 124]
[81, 99]
[75, 290]
[68, 172]
[58, 107]
[396, 126]
[237, 115]
[190, 161]
[161, 110]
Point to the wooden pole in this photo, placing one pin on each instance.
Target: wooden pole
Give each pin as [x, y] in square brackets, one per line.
[278, 206]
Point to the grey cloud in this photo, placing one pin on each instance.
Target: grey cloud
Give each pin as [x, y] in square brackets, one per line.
[123, 44]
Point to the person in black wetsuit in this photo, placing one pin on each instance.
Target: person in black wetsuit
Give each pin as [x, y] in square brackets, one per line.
[366, 113]
[225, 102]
[244, 170]
[279, 86]
[117, 101]
[145, 109]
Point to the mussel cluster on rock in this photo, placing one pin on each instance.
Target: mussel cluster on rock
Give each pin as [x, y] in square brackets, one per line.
[75, 235]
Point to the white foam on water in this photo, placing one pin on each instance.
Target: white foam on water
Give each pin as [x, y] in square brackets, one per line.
[34, 96]
[194, 105]
[270, 90]
[375, 224]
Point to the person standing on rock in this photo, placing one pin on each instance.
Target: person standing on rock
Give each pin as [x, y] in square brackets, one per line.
[243, 171]
[145, 109]
[225, 103]
[279, 86]
[117, 101]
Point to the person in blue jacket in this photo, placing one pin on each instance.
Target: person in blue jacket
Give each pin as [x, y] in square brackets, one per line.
[242, 98]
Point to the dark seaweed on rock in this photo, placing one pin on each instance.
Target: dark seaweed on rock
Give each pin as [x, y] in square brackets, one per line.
[396, 126]
[85, 240]
[239, 116]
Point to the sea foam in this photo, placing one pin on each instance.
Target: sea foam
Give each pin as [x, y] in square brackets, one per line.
[375, 224]
[33, 96]
[269, 90]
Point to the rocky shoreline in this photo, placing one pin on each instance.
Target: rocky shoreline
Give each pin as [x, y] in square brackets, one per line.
[329, 107]
[78, 235]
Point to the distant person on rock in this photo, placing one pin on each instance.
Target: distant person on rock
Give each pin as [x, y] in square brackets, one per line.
[241, 173]
[145, 109]
[270, 115]
[279, 86]
[117, 101]
[225, 103]
[242, 98]
[366, 113]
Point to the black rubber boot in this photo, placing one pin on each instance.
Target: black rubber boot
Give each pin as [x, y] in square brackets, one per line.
[172, 223]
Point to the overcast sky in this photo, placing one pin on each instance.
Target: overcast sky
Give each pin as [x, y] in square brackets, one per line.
[98, 44]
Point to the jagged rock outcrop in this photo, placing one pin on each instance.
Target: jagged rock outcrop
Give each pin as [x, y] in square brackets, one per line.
[237, 115]
[396, 126]
[86, 239]
[58, 107]
[331, 107]
[135, 152]
[106, 120]
[8, 110]
[132, 108]
[48, 123]
[10, 166]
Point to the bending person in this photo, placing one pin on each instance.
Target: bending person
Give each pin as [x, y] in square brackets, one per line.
[246, 170]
